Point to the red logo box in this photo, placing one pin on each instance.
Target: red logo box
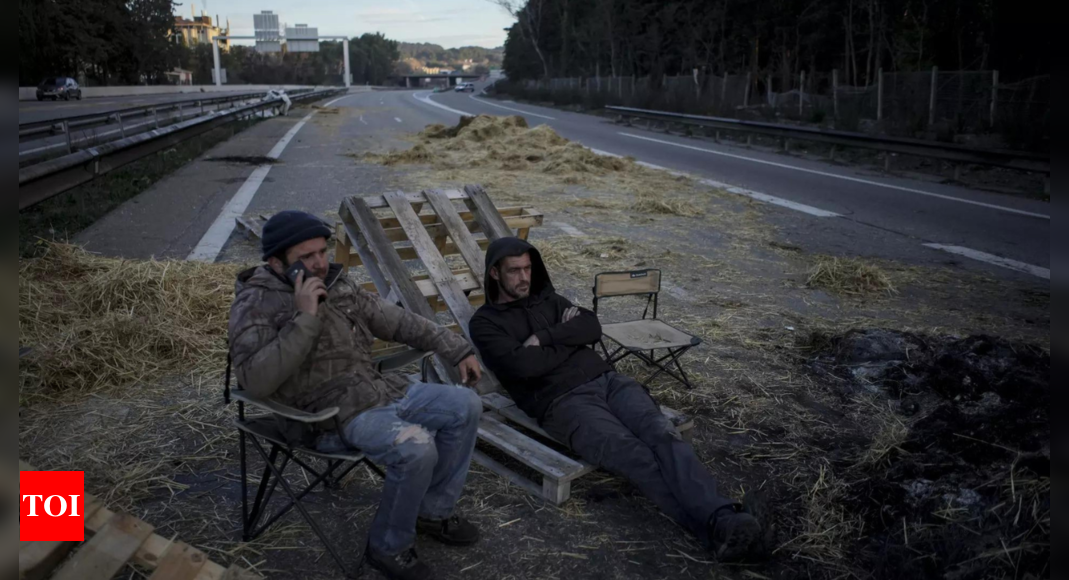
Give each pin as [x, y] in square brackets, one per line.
[52, 506]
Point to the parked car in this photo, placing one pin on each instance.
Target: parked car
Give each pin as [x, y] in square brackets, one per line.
[465, 88]
[59, 88]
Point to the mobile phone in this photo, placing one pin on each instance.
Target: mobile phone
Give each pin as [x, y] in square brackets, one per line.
[295, 269]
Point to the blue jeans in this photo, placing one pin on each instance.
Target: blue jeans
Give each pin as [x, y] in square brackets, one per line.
[425, 441]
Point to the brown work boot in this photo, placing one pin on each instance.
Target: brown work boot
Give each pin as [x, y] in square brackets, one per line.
[733, 535]
[454, 531]
[404, 566]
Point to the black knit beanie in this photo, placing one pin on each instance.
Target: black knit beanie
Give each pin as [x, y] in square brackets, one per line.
[290, 228]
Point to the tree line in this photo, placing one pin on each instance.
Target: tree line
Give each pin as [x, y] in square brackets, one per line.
[131, 42]
[572, 38]
[108, 41]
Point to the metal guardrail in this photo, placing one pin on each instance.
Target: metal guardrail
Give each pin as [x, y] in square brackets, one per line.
[53, 177]
[1022, 161]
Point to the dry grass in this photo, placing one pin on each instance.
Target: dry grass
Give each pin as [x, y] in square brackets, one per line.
[850, 277]
[890, 433]
[662, 205]
[827, 530]
[97, 323]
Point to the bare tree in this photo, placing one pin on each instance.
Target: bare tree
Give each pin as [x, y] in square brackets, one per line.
[528, 14]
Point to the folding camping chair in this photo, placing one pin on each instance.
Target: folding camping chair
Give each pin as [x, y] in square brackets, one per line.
[287, 431]
[643, 338]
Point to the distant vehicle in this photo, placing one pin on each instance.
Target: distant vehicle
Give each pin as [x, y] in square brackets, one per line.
[465, 88]
[59, 88]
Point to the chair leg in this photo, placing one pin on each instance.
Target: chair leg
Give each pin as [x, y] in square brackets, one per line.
[262, 505]
[304, 512]
[244, 488]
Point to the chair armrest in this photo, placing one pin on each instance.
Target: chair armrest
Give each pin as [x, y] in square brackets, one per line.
[281, 410]
[400, 361]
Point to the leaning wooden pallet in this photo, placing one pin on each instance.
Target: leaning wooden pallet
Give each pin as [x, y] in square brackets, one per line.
[382, 244]
[118, 541]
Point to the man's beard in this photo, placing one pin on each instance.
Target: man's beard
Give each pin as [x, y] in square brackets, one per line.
[515, 294]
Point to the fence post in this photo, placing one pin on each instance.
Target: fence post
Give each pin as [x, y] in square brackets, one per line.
[746, 96]
[994, 96]
[633, 87]
[935, 92]
[801, 96]
[724, 93]
[620, 87]
[67, 133]
[835, 94]
[770, 90]
[879, 97]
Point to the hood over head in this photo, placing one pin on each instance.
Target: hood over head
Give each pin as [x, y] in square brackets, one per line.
[511, 248]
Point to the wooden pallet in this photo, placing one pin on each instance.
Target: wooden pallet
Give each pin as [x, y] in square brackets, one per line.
[382, 243]
[118, 541]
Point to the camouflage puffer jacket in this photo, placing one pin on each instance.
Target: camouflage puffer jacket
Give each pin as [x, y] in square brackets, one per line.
[317, 362]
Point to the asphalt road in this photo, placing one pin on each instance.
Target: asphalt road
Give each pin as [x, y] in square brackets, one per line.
[826, 207]
[1001, 226]
[34, 111]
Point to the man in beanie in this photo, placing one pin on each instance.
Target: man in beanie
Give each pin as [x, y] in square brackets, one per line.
[539, 345]
[304, 338]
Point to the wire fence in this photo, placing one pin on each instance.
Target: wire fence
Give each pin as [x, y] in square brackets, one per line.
[942, 105]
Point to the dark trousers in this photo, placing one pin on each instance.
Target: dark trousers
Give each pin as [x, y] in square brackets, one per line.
[612, 422]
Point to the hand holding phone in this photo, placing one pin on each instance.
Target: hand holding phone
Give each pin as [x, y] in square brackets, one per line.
[309, 291]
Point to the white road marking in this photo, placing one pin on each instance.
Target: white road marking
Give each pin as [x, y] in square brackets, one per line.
[568, 229]
[398, 119]
[528, 113]
[994, 260]
[428, 101]
[362, 120]
[806, 209]
[222, 228]
[844, 177]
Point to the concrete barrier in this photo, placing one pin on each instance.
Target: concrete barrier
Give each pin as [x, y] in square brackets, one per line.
[30, 93]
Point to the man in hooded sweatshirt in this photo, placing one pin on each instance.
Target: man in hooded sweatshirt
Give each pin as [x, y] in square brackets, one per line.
[304, 339]
[540, 346]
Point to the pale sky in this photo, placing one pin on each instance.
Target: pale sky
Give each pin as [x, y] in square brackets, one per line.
[450, 23]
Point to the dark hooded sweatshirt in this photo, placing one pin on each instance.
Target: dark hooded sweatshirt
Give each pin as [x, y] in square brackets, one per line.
[535, 376]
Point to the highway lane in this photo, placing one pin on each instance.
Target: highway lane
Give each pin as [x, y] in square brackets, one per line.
[989, 224]
[33, 111]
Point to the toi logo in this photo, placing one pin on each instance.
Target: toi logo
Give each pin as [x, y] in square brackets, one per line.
[52, 506]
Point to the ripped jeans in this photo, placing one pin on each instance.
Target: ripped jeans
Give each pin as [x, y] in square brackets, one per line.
[425, 441]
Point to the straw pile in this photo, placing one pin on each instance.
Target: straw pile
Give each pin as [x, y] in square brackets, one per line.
[850, 277]
[505, 143]
[97, 323]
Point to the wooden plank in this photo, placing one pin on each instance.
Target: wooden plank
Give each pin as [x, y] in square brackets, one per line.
[182, 562]
[516, 479]
[438, 229]
[365, 254]
[211, 571]
[342, 247]
[356, 211]
[460, 235]
[379, 201]
[482, 208]
[252, 229]
[429, 219]
[37, 560]
[408, 253]
[102, 557]
[531, 453]
[440, 274]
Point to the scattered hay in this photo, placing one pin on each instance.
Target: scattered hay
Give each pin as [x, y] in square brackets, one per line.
[98, 323]
[828, 530]
[508, 144]
[850, 277]
[661, 205]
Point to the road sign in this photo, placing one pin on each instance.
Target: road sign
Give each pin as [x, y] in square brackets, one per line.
[268, 37]
[302, 39]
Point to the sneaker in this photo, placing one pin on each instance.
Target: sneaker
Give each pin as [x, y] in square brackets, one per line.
[734, 535]
[404, 566]
[454, 531]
